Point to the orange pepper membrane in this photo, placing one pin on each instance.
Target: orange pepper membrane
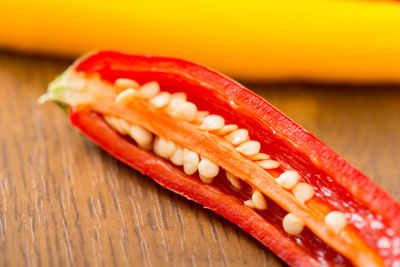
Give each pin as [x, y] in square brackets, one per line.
[371, 227]
[329, 195]
[274, 214]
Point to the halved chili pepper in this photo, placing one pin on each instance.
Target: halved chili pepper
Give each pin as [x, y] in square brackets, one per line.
[206, 137]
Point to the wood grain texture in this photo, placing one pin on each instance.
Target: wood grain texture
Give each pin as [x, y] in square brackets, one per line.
[64, 202]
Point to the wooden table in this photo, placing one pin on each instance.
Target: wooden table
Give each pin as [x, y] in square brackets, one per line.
[64, 202]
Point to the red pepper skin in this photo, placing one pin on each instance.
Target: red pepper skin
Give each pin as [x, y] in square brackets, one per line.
[168, 176]
[112, 65]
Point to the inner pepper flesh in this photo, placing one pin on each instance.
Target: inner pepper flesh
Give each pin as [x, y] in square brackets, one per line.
[272, 213]
[219, 150]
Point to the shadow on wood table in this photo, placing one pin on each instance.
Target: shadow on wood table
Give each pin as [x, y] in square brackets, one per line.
[65, 202]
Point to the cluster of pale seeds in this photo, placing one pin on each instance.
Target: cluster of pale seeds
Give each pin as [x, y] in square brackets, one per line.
[176, 105]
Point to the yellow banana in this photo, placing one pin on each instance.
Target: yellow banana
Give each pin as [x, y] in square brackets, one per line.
[319, 40]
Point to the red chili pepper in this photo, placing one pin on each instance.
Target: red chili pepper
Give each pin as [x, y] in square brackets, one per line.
[371, 236]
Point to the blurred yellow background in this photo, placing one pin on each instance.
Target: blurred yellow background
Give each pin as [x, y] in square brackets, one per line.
[324, 41]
